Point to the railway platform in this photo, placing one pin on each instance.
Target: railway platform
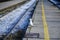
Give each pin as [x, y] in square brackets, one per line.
[46, 22]
[34, 20]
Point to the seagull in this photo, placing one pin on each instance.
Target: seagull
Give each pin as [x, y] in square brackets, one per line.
[31, 22]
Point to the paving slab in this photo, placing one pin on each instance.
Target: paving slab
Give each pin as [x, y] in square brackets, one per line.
[53, 19]
[52, 14]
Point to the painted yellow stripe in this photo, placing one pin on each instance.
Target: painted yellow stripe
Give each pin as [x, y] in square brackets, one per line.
[46, 33]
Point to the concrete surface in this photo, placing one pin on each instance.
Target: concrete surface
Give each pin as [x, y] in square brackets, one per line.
[52, 14]
[9, 3]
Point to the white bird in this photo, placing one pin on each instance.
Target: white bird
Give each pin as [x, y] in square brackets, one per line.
[31, 22]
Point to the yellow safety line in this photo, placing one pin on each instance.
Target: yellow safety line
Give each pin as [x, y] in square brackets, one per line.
[46, 33]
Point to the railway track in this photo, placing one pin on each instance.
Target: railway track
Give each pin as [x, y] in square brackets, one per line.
[6, 9]
[17, 20]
